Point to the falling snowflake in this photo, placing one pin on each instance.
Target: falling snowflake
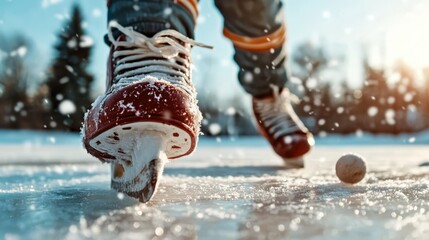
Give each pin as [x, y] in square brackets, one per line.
[96, 12]
[67, 107]
[47, 3]
[86, 41]
[215, 128]
[248, 77]
[326, 14]
[390, 116]
[257, 70]
[20, 52]
[372, 111]
[340, 110]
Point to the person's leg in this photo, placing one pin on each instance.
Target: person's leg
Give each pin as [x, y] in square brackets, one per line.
[149, 112]
[152, 16]
[257, 30]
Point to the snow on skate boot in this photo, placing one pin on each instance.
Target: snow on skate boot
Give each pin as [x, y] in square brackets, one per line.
[149, 113]
[279, 124]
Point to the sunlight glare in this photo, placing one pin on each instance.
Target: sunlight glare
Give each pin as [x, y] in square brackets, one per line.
[407, 38]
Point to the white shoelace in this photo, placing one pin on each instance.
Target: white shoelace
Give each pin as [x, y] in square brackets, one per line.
[160, 56]
[277, 114]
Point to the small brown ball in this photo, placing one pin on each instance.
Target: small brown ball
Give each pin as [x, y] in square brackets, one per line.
[350, 168]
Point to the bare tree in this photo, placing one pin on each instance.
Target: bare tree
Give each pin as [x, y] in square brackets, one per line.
[14, 81]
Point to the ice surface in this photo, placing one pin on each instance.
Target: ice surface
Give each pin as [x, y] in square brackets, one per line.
[228, 189]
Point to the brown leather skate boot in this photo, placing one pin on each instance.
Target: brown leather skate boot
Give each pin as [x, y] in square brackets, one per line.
[279, 124]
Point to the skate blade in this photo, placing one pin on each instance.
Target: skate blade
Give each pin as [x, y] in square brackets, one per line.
[143, 187]
[294, 163]
[139, 177]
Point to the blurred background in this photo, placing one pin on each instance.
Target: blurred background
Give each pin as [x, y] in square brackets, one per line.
[357, 66]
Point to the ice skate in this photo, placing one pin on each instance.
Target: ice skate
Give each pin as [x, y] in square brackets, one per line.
[149, 113]
[279, 124]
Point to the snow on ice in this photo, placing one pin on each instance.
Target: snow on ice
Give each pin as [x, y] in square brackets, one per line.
[228, 189]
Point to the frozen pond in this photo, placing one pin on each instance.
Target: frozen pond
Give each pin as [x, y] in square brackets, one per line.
[219, 193]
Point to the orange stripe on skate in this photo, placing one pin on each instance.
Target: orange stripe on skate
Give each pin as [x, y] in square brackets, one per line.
[263, 43]
[191, 6]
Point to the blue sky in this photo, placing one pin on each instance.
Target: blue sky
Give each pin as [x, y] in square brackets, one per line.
[342, 25]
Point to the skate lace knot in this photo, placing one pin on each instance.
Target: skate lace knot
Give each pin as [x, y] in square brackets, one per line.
[165, 55]
[277, 114]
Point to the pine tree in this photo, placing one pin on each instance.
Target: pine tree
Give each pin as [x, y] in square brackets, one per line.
[68, 80]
